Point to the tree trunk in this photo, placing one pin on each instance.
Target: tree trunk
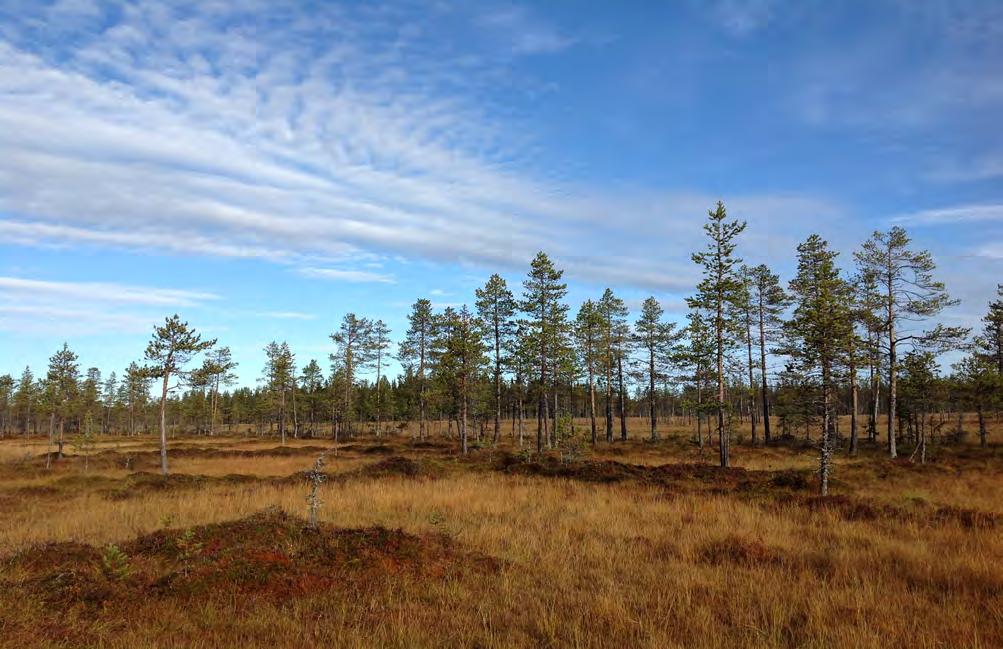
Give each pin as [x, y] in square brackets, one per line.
[623, 405]
[498, 374]
[163, 422]
[752, 381]
[651, 393]
[722, 436]
[892, 370]
[592, 405]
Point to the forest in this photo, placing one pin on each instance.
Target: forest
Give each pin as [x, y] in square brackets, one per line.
[787, 360]
[810, 461]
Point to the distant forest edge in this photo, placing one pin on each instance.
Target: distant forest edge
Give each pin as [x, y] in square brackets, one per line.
[862, 345]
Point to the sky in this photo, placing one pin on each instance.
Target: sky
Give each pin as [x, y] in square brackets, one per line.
[263, 167]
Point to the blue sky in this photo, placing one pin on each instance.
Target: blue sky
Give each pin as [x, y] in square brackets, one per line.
[263, 167]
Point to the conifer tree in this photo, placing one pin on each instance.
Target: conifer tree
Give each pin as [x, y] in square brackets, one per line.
[718, 293]
[543, 293]
[496, 307]
[218, 367]
[908, 293]
[768, 303]
[172, 346]
[379, 345]
[991, 340]
[280, 372]
[62, 378]
[459, 358]
[657, 339]
[312, 380]
[413, 352]
[24, 399]
[817, 334]
[613, 314]
[354, 341]
[588, 338]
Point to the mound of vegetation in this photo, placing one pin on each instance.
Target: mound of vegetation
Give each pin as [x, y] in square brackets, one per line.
[702, 476]
[270, 555]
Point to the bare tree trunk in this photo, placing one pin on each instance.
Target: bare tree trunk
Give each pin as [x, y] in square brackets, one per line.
[983, 439]
[854, 398]
[498, 374]
[722, 434]
[651, 393]
[623, 405]
[752, 381]
[163, 423]
[892, 369]
[296, 421]
[592, 405]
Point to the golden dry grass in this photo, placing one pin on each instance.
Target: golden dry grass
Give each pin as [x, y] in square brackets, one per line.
[583, 564]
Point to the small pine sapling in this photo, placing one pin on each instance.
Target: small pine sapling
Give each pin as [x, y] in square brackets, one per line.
[316, 476]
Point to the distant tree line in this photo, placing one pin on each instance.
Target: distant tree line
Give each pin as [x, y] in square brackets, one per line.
[786, 361]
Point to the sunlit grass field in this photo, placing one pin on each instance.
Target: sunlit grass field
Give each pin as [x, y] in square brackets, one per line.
[500, 548]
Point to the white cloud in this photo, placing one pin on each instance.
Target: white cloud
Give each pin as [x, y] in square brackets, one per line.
[19, 288]
[311, 145]
[34, 306]
[954, 214]
[344, 275]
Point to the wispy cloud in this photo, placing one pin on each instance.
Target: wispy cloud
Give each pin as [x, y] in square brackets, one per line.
[525, 32]
[331, 138]
[954, 215]
[34, 306]
[23, 288]
[345, 275]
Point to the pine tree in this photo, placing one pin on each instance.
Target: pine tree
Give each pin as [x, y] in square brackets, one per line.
[768, 303]
[543, 293]
[496, 307]
[354, 341]
[108, 399]
[172, 346]
[6, 403]
[413, 353]
[699, 356]
[991, 340]
[62, 378]
[279, 375]
[218, 368]
[982, 387]
[657, 339]
[817, 333]
[24, 399]
[613, 313]
[137, 382]
[459, 357]
[379, 345]
[312, 380]
[587, 330]
[908, 294]
[718, 293]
